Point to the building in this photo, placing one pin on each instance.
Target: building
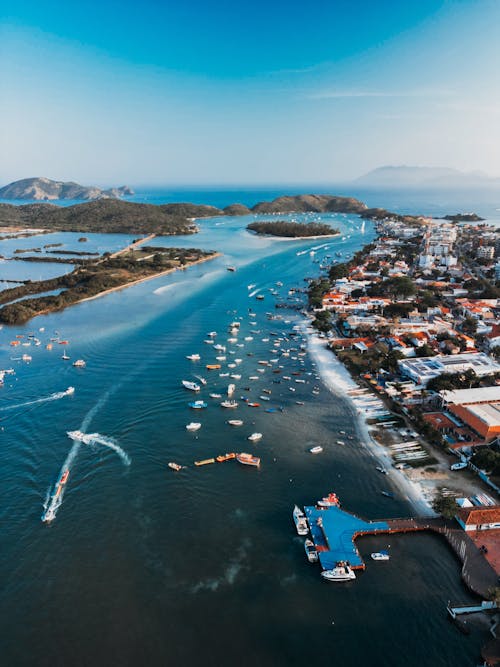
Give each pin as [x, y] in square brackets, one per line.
[423, 369]
[485, 252]
[479, 518]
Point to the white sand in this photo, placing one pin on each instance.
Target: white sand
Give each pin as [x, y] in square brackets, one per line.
[339, 381]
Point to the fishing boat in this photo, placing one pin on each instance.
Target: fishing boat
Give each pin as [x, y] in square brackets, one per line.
[79, 363]
[342, 572]
[193, 357]
[198, 405]
[380, 555]
[192, 386]
[225, 457]
[229, 404]
[248, 459]
[311, 551]
[230, 389]
[300, 521]
[331, 500]
[193, 426]
[235, 422]
[254, 437]
[174, 466]
[204, 462]
[316, 450]
[215, 395]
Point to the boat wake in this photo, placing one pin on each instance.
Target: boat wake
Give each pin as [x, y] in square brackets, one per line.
[53, 397]
[98, 439]
[230, 574]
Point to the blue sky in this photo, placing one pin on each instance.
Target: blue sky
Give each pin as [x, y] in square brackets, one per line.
[247, 93]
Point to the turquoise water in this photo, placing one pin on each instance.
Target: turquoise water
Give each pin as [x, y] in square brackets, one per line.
[143, 565]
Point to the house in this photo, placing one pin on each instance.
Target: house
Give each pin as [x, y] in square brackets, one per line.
[479, 518]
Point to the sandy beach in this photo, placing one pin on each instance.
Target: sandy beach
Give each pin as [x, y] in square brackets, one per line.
[339, 381]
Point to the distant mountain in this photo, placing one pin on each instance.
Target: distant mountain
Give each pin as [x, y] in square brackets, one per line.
[311, 203]
[44, 189]
[425, 178]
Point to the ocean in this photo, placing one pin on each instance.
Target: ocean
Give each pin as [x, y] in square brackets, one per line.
[144, 565]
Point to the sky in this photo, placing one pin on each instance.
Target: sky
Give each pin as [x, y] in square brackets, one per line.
[250, 92]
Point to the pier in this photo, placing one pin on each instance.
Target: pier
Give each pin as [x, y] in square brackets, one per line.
[334, 532]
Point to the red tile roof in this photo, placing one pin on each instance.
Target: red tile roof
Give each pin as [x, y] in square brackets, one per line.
[474, 516]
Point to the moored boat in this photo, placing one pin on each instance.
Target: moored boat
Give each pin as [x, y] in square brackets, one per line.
[248, 459]
[229, 404]
[213, 367]
[198, 405]
[235, 422]
[311, 551]
[331, 500]
[300, 521]
[204, 462]
[192, 386]
[225, 457]
[79, 363]
[316, 450]
[254, 437]
[193, 426]
[193, 357]
[380, 555]
[341, 572]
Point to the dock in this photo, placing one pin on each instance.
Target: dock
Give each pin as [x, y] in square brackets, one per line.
[334, 532]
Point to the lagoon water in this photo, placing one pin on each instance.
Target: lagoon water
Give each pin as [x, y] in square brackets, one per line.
[145, 566]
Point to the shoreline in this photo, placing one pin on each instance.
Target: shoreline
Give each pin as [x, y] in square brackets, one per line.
[294, 238]
[339, 381]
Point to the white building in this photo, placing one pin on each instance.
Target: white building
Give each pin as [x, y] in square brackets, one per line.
[423, 369]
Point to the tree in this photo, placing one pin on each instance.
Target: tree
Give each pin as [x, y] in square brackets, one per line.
[323, 321]
[469, 326]
[445, 505]
[338, 271]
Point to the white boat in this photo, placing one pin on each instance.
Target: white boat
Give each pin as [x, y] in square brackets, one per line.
[223, 375]
[229, 404]
[230, 389]
[64, 356]
[300, 521]
[253, 377]
[342, 572]
[220, 348]
[80, 436]
[79, 363]
[212, 334]
[264, 398]
[209, 341]
[215, 395]
[235, 422]
[316, 450]
[380, 555]
[69, 391]
[193, 426]
[192, 386]
[202, 380]
[311, 551]
[221, 358]
[193, 357]
[255, 437]
[235, 376]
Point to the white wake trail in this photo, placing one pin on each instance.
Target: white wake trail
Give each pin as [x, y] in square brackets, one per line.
[53, 397]
[109, 442]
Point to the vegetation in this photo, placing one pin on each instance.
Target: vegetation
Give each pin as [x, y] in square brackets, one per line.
[291, 229]
[445, 505]
[488, 460]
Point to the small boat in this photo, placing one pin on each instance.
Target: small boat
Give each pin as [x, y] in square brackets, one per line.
[213, 367]
[69, 391]
[382, 470]
[175, 466]
[380, 555]
[231, 268]
[27, 357]
[220, 348]
[212, 334]
[64, 477]
[193, 357]
[79, 363]
[230, 389]
[311, 551]
[193, 426]
[229, 404]
[255, 437]
[204, 462]
[202, 380]
[331, 500]
[342, 572]
[209, 341]
[63, 342]
[235, 422]
[198, 405]
[387, 494]
[235, 376]
[299, 402]
[248, 459]
[316, 450]
[65, 357]
[48, 346]
[253, 377]
[264, 398]
[253, 405]
[221, 358]
[223, 375]
[192, 386]
[225, 457]
[300, 521]
[215, 395]
[341, 443]
[260, 297]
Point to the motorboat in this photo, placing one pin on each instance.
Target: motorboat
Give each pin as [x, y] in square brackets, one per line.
[198, 405]
[230, 389]
[202, 380]
[253, 404]
[331, 500]
[69, 391]
[86, 438]
[387, 494]
[225, 457]
[193, 426]
[248, 459]
[229, 404]
[341, 572]
[79, 363]
[382, 470]
[380, 555]
[193, 357]
[64, 477]
[215, 395]
[175, 466]
[192, 386]
[316, 450]
[204, 462]
[264, 398]
[235, 422]
[255, 437]
[300, 521]
[311, 551]
[235, 376]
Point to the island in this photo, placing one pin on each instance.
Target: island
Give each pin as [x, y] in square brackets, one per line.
[95, 278]
[292, 230]
[44, 189]
[463, 217]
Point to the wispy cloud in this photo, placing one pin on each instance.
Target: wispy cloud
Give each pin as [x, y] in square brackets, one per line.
[344, 94]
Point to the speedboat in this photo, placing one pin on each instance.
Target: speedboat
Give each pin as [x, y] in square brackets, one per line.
[192, 386]
[300, 521]
[380, 555]
[86, 438]
[69, 391]
[253, 404]
[316, 450]
[248, 459]
[235, 422]
[175, 466]
[255, 437]
[198, 405]
[311, 551]
[235, 376]
[64, 477]
[193, 426]
[193, 357]
[342, 572]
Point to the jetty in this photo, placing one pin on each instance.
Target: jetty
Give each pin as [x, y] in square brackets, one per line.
[334, 532]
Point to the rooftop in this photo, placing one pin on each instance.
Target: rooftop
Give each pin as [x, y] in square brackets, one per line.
[465, 396]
